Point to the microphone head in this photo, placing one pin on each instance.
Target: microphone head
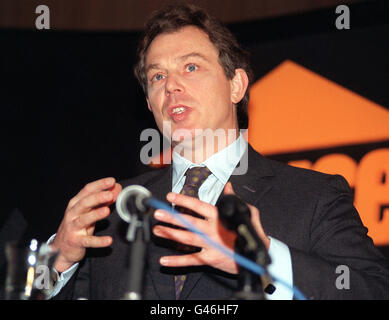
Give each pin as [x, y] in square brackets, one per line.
[232, 211]
[131, 201]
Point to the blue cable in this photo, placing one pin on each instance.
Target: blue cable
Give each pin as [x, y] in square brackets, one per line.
[241, 260]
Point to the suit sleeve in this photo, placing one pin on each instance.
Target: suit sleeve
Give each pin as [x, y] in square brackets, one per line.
[342, 261]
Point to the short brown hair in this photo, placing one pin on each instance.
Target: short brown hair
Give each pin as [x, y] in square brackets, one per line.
[176, 16]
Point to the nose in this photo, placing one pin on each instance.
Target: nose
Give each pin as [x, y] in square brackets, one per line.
[173, 84]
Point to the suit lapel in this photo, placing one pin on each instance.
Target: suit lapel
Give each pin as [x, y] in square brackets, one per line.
[190, 282]
[257, 181]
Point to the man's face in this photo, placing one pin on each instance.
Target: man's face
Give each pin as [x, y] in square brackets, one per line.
[187, 86]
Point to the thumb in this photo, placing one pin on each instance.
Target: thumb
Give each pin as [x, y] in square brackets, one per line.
[228, 189]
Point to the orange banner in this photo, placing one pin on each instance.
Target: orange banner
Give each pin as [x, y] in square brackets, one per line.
[292, 109]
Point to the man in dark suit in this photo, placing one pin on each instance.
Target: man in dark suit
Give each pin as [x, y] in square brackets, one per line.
[196, 78]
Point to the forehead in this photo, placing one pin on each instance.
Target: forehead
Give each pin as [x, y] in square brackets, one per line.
[179, 43]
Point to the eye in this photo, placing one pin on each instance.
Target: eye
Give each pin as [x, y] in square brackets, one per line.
[157, 77]
[191, 67]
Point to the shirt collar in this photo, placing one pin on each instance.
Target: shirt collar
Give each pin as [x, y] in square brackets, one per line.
[221, 164]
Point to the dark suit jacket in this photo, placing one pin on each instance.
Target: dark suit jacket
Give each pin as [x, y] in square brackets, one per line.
[312, 213]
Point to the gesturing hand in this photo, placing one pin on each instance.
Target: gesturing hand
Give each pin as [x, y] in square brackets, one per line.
[210, 226]
[75, 232]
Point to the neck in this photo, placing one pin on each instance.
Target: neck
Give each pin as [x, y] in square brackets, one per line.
[200, 147]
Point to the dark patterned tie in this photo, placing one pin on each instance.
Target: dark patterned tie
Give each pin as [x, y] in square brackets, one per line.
[194, 179]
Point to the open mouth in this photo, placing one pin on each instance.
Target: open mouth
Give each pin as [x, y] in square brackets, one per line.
[179, 112]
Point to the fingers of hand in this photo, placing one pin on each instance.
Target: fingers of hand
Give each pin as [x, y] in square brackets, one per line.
[93, 187]
[255, 219]
[116, 189]
[204, 209]
[185, 260]
[96, 242]
[228, 189]
[89, 218]
[204, 257]
[181, 236]
[90, 202]
[164, 216]
[207, 255]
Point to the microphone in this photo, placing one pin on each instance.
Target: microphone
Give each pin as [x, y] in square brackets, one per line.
[235, 215]
[132, 207]
[132, 200]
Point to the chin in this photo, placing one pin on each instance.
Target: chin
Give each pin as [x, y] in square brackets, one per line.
[187, 137]
[182, 135]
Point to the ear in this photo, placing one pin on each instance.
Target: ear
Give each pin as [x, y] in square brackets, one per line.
[239, 84]
[148, 105]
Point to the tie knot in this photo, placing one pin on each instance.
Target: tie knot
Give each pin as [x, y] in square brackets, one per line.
[194, 179]
[197, 175]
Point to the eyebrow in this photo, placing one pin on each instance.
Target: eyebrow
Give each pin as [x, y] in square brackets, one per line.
[181, 58]
[193, 55]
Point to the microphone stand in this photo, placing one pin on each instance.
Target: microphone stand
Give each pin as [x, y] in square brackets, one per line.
[249, 284]
[132, 207]
[138, 234]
